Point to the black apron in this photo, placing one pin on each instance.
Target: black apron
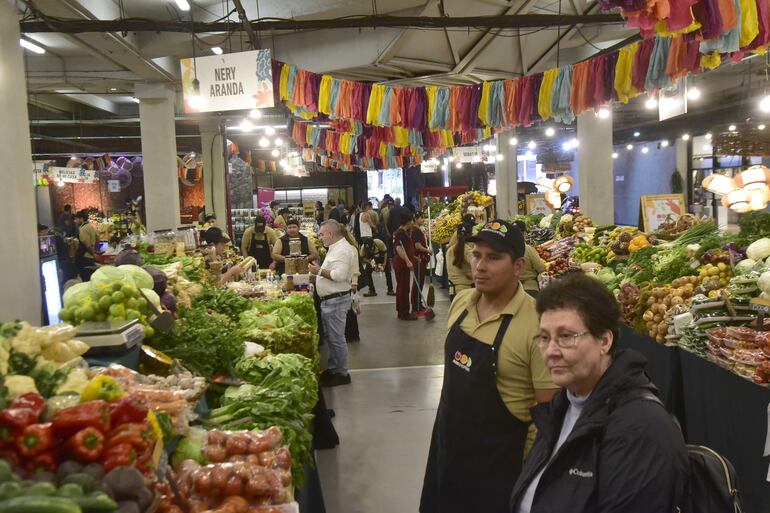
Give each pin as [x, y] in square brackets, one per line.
[477, 445]
[280, 267]
[260, 250]
[84, 263]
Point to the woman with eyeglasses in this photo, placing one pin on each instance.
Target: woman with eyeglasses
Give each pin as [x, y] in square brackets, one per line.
[604, 443]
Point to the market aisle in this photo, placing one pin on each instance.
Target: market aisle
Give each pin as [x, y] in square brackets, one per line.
[384, 419]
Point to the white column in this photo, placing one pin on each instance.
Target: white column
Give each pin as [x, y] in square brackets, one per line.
[213, 148]
[506, 177]
[161, 186]
[682, 164]
[20, 294]
[596, 183]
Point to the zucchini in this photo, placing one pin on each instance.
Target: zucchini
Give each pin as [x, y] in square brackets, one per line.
[39, 505]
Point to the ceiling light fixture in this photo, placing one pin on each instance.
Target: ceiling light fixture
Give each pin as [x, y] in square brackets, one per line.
[532, 145]
[686, 137]
[246, 126]
[269, 130]
[264, 142]
[637, 134]
[718, 184]
[276, 152]
[651, 103]
[113, 89]
[183, 4]
[278, 141]
[32, 47]
[550, 132]
[755, 177]
[664, 143]
[603, 113]
[614, 154]
[693, 93]
[216, 50]
[564, 183]
[761, 127]
[499, 157]
[513, 141]
[459, 165]
[255, 113]
[645, 149]
[629, 147]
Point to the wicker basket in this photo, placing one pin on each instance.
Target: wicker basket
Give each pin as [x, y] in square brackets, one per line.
[746, 140]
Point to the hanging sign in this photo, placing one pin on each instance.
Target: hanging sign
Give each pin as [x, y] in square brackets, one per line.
[113, 185]
[232, 81]
[672, 102]
[429, 166]
[537, 205]
[468, 153]
[64, 174]
[656, 208]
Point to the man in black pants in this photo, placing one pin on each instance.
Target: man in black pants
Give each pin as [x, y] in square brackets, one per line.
[373, 254]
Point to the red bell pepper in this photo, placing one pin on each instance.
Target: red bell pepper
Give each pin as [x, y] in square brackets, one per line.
[70, 420]
[13, 421]
[43, 462]
[121, 455]
[30, 400]
[10, 455]
[35, 439]
[86, 446]
[128, 409]
[139, 435]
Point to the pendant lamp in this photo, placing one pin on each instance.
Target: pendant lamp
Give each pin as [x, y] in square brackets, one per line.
[755, 177]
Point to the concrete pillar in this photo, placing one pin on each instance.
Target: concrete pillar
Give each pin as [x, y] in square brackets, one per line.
[161, 186]
[595, 177]
[506, 177]
[213, 148]
[20, 294]
[683, 164]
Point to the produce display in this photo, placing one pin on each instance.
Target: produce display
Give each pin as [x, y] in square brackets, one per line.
[445, 224]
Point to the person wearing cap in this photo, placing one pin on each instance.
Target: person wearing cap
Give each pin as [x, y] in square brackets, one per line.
[534, 266]
[493, 376]
[258, 241]
[458, 258]
[282, 247]
[216, 237]
[85, 256]
[404, 264]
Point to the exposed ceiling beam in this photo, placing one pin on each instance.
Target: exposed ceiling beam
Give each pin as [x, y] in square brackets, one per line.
[395, 45]
[572, 30]
[246, 25]
[381, 21]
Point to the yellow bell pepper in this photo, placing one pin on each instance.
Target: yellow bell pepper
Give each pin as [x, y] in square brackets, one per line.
[101, 387]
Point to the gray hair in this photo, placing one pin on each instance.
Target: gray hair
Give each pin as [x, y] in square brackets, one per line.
[334, 225]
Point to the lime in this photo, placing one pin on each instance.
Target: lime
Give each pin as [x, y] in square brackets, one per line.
[132, 314]
[117, 286]
[104, 303]
[118, 297]
[100, 317]
[142, 304]
[118, 311]
[148, 332]
[130, 291]
[85, 313]
[65, 314]
[133, 304]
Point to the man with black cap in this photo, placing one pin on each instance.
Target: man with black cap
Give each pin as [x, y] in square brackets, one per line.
[258, 241]
[282, 247]
[493, 375]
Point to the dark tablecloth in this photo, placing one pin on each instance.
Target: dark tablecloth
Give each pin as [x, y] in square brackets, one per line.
[716, 408]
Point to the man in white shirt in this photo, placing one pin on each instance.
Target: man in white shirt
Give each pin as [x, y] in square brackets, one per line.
[333, 283]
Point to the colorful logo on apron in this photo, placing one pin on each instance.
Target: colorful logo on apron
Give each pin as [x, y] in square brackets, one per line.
[463, 361]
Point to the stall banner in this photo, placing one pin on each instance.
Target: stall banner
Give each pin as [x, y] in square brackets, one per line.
[429, 166]
[656, 208]
[64, 174]
[537, 205]
[265, 196]
[232, 81]
[468, 154]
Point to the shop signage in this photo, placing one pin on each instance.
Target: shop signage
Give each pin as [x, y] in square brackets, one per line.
[656, 208]
[537, 205]
[56, 174]
[673, 102]
[232, 81]
[468, 154]
[429, 166]
[113, 185]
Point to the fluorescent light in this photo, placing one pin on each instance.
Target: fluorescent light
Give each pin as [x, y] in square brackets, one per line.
[32, 47]
[255, 113]
[603, 113]
[614, 154]
[686, 137]
[513, 141]
[278, 141]
[246, 126]
[269, 130]
[693, 93]
[764, 104]
[637, 134]
[264, 142]
[275, 153]
[645, 149]
[630, 147]
[183, 4]
[651, 103]
[550, 132]
[113, 89]
[216, 50]
[532, 145]
[664, 143]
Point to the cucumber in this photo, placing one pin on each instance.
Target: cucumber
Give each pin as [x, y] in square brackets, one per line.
[39, 505]
[10, 490]
[70, 490]
[86, 482]
[95, 503]
[40, 490]
[6, 473]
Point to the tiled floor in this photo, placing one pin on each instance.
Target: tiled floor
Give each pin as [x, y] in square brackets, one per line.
[385, 417]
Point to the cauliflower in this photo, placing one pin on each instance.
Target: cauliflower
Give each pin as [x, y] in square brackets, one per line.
[18, 385]
[27, 341]
[76, 382]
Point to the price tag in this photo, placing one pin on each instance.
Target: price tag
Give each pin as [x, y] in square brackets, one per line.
[760, 305]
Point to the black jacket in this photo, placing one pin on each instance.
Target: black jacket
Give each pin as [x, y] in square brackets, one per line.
[625, 454]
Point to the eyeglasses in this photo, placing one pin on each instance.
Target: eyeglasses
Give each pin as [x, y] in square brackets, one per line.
[564, 341]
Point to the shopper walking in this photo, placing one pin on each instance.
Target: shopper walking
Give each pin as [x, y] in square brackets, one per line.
[403, 265]
[333, 284]
[282, 247]
[534, 266]
[602, 444]
[493, 375]
[85, 256]
[458, 258]
[387, 237]
[258, 241]
[367, 224]
[422, 254]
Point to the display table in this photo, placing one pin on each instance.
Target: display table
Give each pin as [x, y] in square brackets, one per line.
[716, 408]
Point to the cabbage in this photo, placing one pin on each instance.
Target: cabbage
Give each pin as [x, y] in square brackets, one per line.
[108, 274]
[764, 282]
[759, 249]
[152, 297]
[745, 266]
[77, 293]
[141, 278]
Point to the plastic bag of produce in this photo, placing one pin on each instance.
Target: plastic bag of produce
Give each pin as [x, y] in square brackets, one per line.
[76, 293]
[141, 278]
[108, 274]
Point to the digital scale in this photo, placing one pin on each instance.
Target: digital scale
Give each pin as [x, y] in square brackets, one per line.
[110, 337]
